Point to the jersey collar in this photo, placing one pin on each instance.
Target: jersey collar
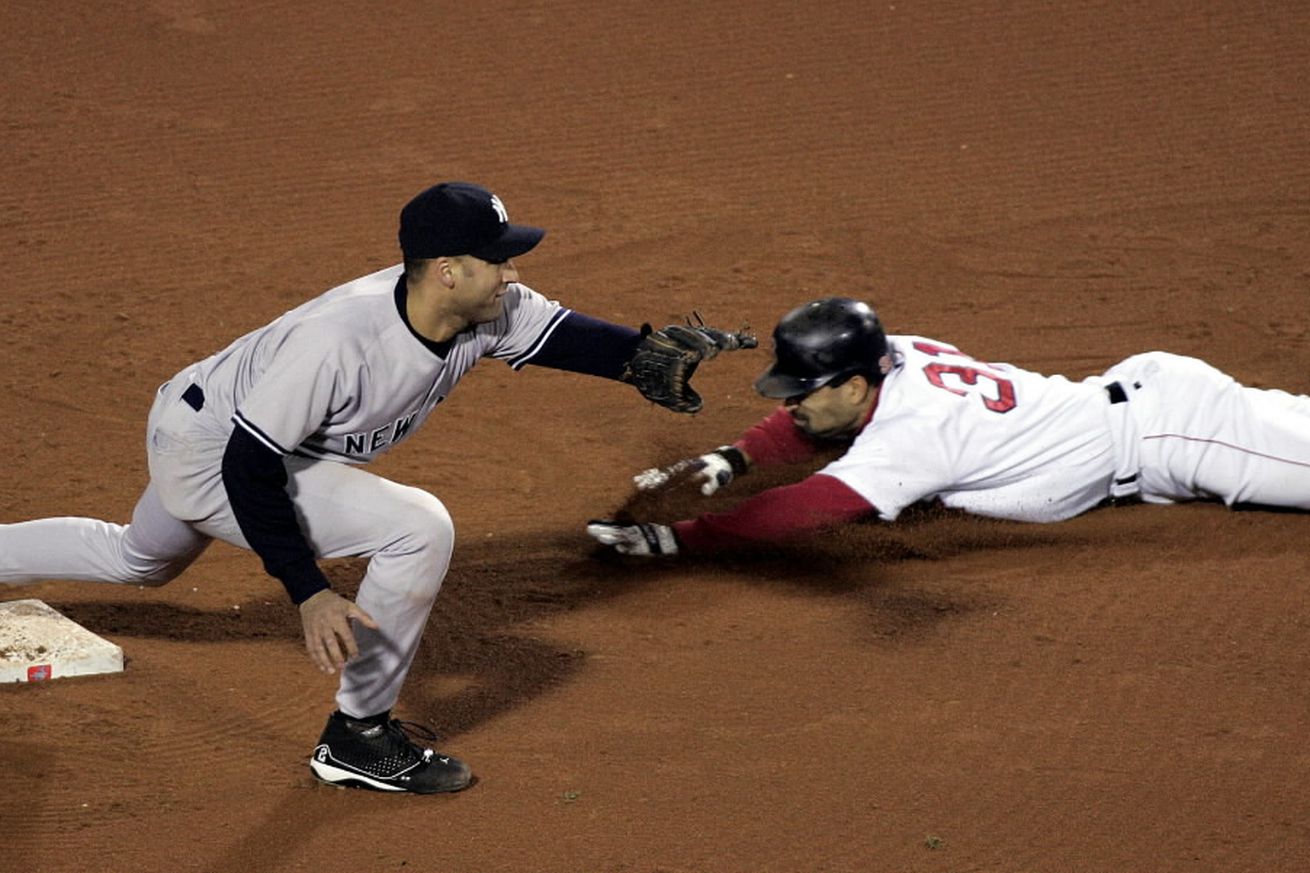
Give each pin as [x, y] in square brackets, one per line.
[401, 294]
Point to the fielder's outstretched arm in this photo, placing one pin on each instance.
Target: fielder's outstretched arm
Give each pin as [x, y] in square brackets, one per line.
[582, 344]
[660, 363]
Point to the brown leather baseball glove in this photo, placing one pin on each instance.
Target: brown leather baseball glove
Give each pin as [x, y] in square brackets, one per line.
[666, 359]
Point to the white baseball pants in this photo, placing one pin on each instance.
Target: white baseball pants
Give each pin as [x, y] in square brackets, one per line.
[1201, 435]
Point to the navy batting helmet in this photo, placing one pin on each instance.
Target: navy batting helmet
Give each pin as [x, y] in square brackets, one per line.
[821, 342]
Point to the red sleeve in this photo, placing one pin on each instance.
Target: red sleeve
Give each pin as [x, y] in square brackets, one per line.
[775, 514]
[777, 440]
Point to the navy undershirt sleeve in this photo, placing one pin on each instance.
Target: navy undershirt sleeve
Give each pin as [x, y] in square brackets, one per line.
[582, 344]
[256, 482]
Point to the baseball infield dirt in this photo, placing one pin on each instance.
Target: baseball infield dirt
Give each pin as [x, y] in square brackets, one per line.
[1057, 185]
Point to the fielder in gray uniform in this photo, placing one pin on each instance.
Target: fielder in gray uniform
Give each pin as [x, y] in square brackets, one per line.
[261, 444]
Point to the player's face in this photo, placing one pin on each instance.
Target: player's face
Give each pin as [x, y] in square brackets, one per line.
[480, 286]
[831, 411]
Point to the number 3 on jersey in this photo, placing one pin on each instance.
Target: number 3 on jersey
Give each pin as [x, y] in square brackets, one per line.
[963, 379]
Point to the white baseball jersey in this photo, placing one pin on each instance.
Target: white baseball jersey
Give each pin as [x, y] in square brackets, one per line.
[988, 438]
[343, 377]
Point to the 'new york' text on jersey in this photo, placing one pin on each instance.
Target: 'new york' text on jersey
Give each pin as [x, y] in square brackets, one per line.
[344, 377]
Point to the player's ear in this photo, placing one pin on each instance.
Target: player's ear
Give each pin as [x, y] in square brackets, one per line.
[859, 388]
[444, 269]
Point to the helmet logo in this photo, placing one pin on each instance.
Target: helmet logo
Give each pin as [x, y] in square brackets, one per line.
[500, 209]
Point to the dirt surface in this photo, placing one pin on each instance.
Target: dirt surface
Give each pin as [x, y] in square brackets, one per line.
[1058, 185]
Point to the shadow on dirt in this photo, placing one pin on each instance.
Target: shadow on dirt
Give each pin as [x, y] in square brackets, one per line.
[496, 589]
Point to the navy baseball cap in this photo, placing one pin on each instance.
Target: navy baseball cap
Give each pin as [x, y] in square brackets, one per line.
[460, 218]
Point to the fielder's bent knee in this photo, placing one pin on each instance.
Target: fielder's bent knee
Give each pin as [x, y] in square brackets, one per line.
[428, 518]
[152, 580]
[423, 540]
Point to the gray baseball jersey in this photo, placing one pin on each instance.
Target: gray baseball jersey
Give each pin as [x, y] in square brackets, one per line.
[343, 377]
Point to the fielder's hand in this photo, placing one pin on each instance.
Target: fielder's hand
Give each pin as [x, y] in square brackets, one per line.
[642, 538]
[328, 638]
[665, 359]
[711, 471]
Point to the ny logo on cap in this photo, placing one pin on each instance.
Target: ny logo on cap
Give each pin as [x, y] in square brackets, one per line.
[500, 209]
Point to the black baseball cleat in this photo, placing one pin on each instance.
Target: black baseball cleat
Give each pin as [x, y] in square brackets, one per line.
[382, 757]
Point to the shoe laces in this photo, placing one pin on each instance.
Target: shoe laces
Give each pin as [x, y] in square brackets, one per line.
[403, 734]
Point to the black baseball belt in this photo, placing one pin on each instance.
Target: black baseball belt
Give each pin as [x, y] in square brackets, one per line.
[1118, 394]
